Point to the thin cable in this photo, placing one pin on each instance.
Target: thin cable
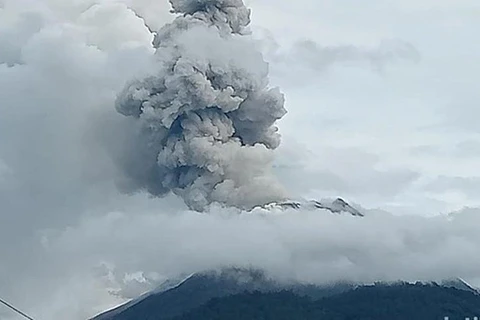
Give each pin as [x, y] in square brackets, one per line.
[8, 305]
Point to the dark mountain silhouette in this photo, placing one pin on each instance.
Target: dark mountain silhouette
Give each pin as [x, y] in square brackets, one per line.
[200, 288]
[236, 293]
[378, 302]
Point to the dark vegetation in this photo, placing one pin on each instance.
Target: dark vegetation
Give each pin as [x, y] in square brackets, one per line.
[213, 297]
[379, 302]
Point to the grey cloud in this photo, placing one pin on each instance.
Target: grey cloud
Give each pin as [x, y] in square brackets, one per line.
[14, 36]
[206, 115]
[318, 57]
[311, 57]
[467, 149]
[155, 13]
[343, 171]
[54, 93]
[293, 244]
[425, 150]
[460, 115]
[469, 186]
[387, 183]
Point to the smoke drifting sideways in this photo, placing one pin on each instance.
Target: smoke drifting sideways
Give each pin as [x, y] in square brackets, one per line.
[205, 117]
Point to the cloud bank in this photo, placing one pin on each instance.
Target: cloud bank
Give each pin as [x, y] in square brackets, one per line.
[127, 253]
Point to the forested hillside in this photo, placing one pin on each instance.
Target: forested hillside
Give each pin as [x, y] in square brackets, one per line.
[379, 302]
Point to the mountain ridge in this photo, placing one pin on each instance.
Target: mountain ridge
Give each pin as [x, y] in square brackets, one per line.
[375, 302]
[198, 289]
[337, 206]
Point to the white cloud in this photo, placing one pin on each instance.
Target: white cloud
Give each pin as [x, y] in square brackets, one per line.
[314, 247]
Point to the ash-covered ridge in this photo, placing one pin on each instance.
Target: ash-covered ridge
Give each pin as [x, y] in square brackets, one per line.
[338, 206]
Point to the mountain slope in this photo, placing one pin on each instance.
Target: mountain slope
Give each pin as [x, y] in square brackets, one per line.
[459, 284]
[200, 288]
[167, 285]
[337, 206]
[378, 302]
[188, 297]
[222, 285]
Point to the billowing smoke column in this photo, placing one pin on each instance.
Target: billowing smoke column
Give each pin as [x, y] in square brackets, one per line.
[206, 114]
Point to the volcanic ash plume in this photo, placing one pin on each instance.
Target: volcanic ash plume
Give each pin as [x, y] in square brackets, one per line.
[206, 115]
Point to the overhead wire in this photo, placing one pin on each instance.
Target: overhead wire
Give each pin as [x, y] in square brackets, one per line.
[18, 311]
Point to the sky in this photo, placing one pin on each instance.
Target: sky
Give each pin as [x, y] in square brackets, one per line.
[382, 111]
